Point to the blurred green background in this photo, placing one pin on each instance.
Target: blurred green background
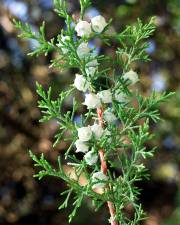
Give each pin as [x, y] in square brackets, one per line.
[25, 201]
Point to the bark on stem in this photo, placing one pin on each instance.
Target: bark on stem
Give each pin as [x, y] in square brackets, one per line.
[104, 170]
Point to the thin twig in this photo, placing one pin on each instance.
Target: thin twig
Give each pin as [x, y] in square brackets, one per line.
[104, 170]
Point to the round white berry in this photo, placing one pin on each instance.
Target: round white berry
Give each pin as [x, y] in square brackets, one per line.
[97, 131]
[100, 180]
[131, 76]
[98, 23]
[91, 71]
[84, 133]
[83, 50]
[83, 28]
[81, 83]
[81, 146]
[91, 158]
[109, 116]
[121, 97]
[105, 96]
[92, 101]
[92, 63]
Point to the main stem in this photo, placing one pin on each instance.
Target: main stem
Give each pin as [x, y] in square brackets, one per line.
[104, 170]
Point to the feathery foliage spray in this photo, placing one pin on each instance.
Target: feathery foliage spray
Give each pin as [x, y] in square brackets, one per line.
[112, 134]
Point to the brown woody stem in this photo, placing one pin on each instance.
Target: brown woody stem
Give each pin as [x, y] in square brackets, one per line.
[104, 170]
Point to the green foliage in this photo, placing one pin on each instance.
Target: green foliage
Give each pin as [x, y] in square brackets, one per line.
[125, 148]
[84, 5]
[60, 8]
[52, 109]
[44, 47]
[73, 184]
[133, 45]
